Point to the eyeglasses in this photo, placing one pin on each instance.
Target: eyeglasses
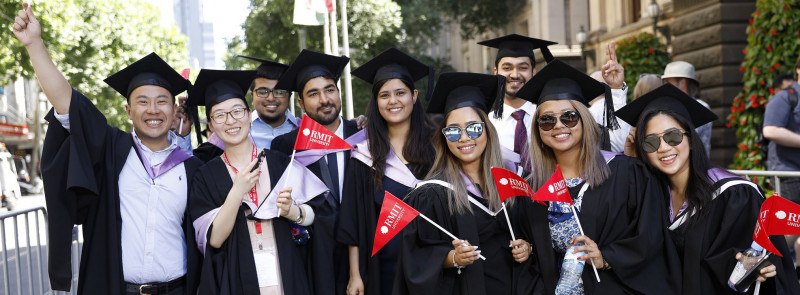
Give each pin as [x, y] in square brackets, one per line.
[263, 92]
[473, 130]
[236, 114]
[568, 118]
[672, 137]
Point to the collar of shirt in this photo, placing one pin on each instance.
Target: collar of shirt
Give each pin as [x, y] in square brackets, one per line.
[528, 107]
[290, 118]
[153, 156]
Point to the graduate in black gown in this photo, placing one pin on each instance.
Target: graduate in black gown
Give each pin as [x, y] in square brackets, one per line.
[243, 255]
[128, 190]
[712, 212]
[617, 199]
[395, 155]
[460, 195]
[313, 76]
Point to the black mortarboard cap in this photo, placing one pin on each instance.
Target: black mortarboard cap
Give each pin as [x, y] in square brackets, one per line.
[394, 64]
[514, 45]
[458, 90]
[308, 65]
[268, 69]
[559, 81]
[215, 86]
[666, 98]
[150, 70]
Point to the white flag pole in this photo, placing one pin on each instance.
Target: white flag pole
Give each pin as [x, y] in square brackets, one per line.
[444, 230]
[575, 214]
[348, 86]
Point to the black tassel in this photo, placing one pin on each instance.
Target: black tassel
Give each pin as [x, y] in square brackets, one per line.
[611, 120]
[499, 100]
[193, 113]
[429, 91]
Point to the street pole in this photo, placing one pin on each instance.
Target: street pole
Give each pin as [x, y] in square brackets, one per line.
[326, 35]
[348, 86]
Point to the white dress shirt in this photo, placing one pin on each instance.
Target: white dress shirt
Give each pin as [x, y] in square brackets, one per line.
[506, 124]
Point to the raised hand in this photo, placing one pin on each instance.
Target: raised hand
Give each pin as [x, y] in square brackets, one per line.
[182, 117]
[26, 27]
[613, 72]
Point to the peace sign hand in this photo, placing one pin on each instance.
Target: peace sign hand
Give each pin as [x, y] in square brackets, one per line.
[26, 27]
[613, 72]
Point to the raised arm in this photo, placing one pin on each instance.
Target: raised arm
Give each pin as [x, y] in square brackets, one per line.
[28, 31]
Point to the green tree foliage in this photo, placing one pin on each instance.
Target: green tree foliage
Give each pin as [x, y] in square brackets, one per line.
[772, 47]
[477, 16]
[91, 39]
[641, 54]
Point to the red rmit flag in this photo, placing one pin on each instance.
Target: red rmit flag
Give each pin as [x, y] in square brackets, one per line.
[510, 185]
[395, 215]
[555, 189]
[778, 216]
[313, 136]
[185, 73]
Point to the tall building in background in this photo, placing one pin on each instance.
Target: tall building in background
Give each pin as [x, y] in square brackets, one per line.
[189, 17]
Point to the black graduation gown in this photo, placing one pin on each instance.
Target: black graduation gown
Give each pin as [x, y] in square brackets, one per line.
[707, 243]
[424, 249]
[231, 269]
[625, 216]
[328, 258]
[361, 205]
[207, 151]
[93, 153]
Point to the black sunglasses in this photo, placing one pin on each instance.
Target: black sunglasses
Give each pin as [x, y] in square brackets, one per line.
[453, 133]
[568, 118]
[672, 137]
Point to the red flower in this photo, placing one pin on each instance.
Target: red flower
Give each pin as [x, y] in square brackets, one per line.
[762, 82]
[757, 13]
[750, 21]
[651, 50]
[776, 65]
[755, 161]
[771, 91]
[773, 32]
[786, 7]
[769, 47]
[741, 69]
[742, 146]
[744, 51]
[753, 97]
[734, 109]
[771, 70]
[743, 122]
[753, 104]
[728, 125]
[755, 70]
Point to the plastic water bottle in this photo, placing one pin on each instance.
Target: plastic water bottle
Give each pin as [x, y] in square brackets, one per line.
[749, 260]
[571, 269]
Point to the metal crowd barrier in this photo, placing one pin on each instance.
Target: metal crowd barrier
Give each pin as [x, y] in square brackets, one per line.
[24, 251]
[774, 175]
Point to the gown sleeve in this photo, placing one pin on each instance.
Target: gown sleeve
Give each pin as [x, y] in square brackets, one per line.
[424, 247]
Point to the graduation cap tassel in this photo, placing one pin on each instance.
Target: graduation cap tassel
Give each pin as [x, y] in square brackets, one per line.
[196, 118]
[429, 91]
[611, 120]
[500, 97]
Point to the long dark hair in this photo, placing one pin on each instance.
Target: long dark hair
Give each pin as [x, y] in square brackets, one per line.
[417, 149]
[699, 187]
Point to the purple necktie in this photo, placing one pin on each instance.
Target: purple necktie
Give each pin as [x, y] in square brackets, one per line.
[520, 132]
[521, 139]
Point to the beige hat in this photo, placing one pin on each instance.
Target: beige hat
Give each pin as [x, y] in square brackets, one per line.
[679, 69]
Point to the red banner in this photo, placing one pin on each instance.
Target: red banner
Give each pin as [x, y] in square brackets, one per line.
[395, 215]
[783, 216]
[762, 238]
[555, 189]
[185, 73]
[313, 136]
[510, 185]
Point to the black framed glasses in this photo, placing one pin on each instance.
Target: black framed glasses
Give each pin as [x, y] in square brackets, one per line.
[672, 137]
[221, 117]
[473, 130]
[264, 92]
[547, 122]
